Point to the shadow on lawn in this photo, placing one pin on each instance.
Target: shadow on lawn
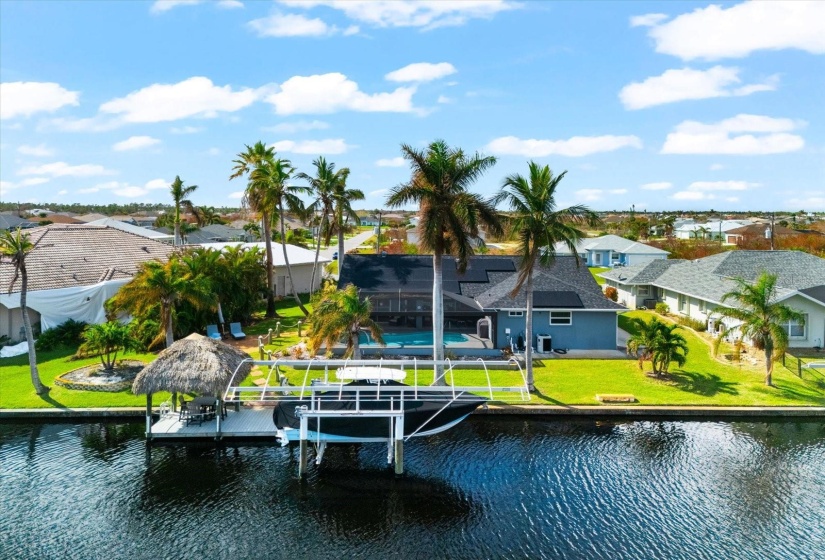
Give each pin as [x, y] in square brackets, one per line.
[546, 399]
[47, 398]
[705, 384]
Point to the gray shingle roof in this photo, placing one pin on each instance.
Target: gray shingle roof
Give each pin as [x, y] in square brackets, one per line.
[611, 243]
[643, 273]
[69, 255]
[215, 232]
[7, 221]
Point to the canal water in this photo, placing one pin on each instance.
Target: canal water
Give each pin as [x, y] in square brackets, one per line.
[504, 487]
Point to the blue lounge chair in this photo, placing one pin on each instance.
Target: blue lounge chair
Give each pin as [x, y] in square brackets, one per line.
[212, 332]
[235, 331]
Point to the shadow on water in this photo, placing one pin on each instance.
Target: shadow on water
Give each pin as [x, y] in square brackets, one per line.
[105, 440]
[704, 384]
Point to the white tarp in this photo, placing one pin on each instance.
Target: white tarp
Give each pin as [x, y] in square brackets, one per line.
[16, 350]
[81, 303]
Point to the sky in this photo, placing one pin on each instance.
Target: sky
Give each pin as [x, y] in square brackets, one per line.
[646, 105]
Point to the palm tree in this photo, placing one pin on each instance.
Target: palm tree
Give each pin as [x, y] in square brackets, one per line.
[324, 187]
[344, 212]
[165, 285]
[180, 198]
[450, 215]
[338, 314]
[16, 246]
[106, 340]
[538, 225]
[268, 188]
[206, 215]
[247, 162]
[763, 319]
[668, 346]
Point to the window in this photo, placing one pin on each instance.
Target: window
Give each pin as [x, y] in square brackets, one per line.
[682, 303]
[644, 291]
[561, 317]
[702, 305]
[615, 257]
[796, 329]
[516, 313]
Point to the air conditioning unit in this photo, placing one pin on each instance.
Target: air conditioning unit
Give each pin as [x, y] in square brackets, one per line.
[544, 343]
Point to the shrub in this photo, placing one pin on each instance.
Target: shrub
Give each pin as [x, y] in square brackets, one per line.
[695, 324]
[64, 334]
[662, 308]
[611, 293]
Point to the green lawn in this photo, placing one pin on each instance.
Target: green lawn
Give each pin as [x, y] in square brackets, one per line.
[595, 270]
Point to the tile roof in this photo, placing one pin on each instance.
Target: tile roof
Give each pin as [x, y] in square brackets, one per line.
[130, 228]
[611, 243]
[69, 255]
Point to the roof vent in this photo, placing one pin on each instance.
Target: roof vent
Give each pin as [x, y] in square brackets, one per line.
[145, 248]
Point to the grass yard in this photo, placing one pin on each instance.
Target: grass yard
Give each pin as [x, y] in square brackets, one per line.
[596, 270]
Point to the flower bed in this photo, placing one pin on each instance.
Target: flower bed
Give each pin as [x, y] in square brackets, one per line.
[93, 378]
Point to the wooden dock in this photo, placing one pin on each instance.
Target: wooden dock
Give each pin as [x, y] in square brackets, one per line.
[249, 422]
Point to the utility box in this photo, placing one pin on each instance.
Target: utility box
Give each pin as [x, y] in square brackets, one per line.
[544, 343]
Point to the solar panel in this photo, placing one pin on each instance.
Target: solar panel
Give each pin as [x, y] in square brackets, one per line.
[557, 299]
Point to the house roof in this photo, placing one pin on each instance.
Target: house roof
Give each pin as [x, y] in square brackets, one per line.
[70, 255]
[129, 228]
[759, 229]
[610, 243]
[7, 221]
[214, 232]
[91, 217]
[644, 273]
[710, 278]
[487, 281]
[714, 227]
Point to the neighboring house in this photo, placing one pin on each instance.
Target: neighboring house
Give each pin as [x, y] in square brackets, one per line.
[736, 235]
[136, 230]
[708, 230]
[86, 218]
[144, 221]
[72, 271]
[61, 219]
[695, 288]
[300, 261]
[612, 250]
[369, 221]
[10, 222]
[570, 309]
[216, 233]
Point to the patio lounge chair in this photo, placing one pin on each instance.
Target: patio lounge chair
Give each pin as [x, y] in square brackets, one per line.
[212, 332]
[235, 330]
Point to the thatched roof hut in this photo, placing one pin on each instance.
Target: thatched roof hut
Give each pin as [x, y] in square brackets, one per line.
[194, 364]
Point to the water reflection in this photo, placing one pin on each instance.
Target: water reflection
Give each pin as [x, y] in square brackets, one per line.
[103, 441]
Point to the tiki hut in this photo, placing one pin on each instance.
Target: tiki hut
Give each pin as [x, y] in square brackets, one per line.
[194, 364]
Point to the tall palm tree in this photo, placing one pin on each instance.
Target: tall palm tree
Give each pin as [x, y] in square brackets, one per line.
[247, 162]
[538, 225]
[763, 319]
[180, 198]
[341, 314]
[15, 246]
[344, 212]
[268, 187]
[323, 186]
[450, 215]
[164, 284]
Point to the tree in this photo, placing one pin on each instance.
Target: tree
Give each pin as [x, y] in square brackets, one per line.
[180, 198]
[344, 212]
[268, 187]
[658, 343]
[538, 225]
[450, 215]
[323, 187]
[157, 289]
[106, 340]
[206, 216]
[341, 314]
[763, 319]
[16, 246]
[247, 162]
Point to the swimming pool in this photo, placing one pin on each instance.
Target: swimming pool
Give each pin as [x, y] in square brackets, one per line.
[422, 338]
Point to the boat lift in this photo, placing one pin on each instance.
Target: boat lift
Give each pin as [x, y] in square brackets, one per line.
[318, 392]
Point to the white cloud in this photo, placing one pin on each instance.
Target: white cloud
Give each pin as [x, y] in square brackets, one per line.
[186, 129]
[617, 191]
[291, 25]
[660, 186]
[328, 93]
[160, 6]
[427, 15]
[157, 184]
[213, 152]
[690, 195]
[707, 190]
[194, 97]
[377, 192]
[26, 98]
[740, 135]
[126, 190]
[135, 143]
[237, 195]
[30, 182]
[297, 126]
[714, 32]
[576, 146]
[97, 123]
[316, 147]
[421, 72]
[6, 186]
[444, 99]
[647, 20]
[589, 195]
[62, 192]
[41, 150]
[812, 201]
[687, 83]
[63, 169]
[230, 4]
[717, 167]
[391, 162]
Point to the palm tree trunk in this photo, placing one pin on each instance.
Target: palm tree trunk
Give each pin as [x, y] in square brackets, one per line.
[170, 332]
[286, 261]
[768, 365]
[356, 345]
[438, 319]
[39, 388]
[317, 253]
[270, 280]
[528, 347]
[340, 242]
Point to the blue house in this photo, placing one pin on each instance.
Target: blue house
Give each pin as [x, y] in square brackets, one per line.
[570, 310]
[612, 250]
